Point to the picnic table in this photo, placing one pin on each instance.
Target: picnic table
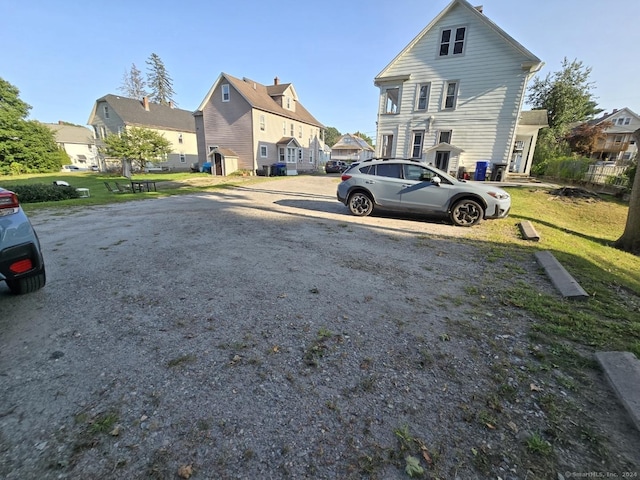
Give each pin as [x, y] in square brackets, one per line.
[143, 185]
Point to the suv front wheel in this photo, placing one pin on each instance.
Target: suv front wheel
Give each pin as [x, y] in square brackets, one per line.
[360, 204]
[466, 213]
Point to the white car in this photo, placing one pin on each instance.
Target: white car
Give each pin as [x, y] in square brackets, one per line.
[408, 186]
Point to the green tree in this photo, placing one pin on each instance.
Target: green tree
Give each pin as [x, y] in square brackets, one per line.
[26, 146]
[566, 95]
[159, 81]
[331, 136]
[133, 85]
[136, 144]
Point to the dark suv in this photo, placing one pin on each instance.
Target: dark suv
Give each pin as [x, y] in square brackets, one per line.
[335, 166]
[409, 186]
[21, 262]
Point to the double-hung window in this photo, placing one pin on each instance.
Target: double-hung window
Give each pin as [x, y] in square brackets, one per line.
[452, 41]
[450, 94]
[225, 93]
[416, 146]
[387, 146]
[263, 151]
[262, 123]
[422, 102]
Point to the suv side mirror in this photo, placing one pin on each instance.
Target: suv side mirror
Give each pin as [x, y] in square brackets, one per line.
[436, 180]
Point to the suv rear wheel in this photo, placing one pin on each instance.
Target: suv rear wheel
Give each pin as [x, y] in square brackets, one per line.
[27, 284]
[466, 213]
[360, 204]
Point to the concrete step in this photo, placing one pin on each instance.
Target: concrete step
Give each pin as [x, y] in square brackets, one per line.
[622, 369]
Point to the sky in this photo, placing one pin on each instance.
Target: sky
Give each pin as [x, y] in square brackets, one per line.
[64, 54]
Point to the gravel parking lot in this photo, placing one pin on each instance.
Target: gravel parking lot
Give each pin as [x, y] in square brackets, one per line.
[263, 332]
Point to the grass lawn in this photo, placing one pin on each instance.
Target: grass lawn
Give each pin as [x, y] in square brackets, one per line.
[579, 233]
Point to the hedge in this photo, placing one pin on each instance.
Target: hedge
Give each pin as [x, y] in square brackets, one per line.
[39, 192]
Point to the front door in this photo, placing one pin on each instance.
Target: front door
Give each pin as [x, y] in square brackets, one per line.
[442, 160]
[217, 160]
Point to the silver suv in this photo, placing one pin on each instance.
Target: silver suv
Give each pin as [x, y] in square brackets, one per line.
[408, 186]
[21, 262]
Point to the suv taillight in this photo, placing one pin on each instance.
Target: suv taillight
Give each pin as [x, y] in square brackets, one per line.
[8, 200]
[345, 177]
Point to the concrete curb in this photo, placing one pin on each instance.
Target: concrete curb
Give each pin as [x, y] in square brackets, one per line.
[560, 278]
[623, 372]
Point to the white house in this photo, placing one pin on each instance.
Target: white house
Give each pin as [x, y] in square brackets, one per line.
[619, 145]
[351, 148]
[77, 141]
[453, 96]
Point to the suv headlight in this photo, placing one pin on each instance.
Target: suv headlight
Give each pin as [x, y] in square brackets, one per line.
[499, 195]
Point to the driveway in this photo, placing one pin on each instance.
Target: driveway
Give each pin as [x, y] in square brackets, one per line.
[252, 332]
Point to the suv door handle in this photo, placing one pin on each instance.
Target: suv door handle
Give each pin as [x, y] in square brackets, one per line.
[369, 182]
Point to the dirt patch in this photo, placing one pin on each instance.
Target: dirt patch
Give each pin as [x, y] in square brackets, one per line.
[262, 332]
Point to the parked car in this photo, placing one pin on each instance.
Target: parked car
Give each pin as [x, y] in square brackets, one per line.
[21, 261]
[335, 166]
[70, 168]
[408, 186]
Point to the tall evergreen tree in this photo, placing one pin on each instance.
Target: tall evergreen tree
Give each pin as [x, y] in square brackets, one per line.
[159, 81]
[133, 84]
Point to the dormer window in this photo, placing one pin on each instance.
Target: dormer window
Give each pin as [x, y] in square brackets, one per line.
[288, 103]
[452, 41]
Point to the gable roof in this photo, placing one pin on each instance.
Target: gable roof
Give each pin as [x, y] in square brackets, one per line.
[132, 112]
[616, 113]
[531, 61]
[261, 96]
[360, 143]
[71, 133]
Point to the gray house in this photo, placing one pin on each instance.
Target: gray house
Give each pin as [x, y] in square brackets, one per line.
[244, 125]
[112, 114]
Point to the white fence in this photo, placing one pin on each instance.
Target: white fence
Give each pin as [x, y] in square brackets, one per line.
[606, 174]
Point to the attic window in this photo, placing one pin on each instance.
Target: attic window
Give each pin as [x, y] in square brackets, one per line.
[180, 138]
[225, 92]
[452, 41]
[106, 111]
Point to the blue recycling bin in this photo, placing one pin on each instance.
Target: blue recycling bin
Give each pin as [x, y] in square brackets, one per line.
[279, 169]
[481, 171]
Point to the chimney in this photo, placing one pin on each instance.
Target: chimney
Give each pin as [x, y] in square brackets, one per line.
[145, 103]
[276, 81]
[479, 8]
[614, 111]
[171, 105]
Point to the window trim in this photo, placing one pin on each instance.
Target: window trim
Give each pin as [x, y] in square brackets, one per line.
[426, 98]
[452, 42]
[264, 148]
[386, 145]
[226, 94]
[415, 145]
[440, 132]
[183, 158]
[106, 111]
[445, 94]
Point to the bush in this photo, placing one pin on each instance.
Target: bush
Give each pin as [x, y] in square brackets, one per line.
[39, 192]
[568, 168]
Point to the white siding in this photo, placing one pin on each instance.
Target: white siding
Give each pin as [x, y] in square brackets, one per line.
[490, 91]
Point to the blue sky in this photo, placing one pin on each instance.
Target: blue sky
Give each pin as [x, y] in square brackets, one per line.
[63, 55]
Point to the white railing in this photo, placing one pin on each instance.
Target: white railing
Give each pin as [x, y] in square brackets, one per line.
[604, 174]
